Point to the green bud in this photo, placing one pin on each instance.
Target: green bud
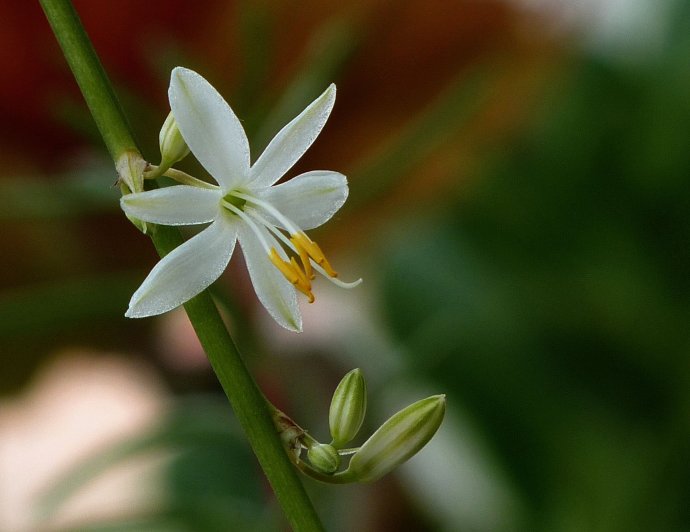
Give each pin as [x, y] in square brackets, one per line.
[348, 406]
[324, 458]
[172, 145]
[398, 439]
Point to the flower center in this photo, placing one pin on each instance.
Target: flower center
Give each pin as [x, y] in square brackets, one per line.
[234, 201]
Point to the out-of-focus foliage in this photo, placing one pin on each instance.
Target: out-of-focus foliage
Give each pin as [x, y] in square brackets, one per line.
[211, 478]
[553, 299]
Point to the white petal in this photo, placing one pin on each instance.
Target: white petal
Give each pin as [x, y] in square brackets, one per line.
[292, 141]
[273, 290]
[308, 200]
[176, 205]
[185, 271]
[210, 128]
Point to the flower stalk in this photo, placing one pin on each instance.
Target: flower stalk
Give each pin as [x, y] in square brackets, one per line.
[245, 397]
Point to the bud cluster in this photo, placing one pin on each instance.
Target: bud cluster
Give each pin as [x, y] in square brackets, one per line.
[394, 442]
[173, 147]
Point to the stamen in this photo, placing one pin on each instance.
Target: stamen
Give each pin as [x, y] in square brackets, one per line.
[290, 271]
[303, 243]
[308, 273]
[298, 271]
[250, 223]
[289, 226]
[273, 229]
[306, 263]
[297, 244]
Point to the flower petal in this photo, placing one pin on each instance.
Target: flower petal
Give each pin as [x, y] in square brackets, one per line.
[292, 141]
[210, 128]
[185, 271]
[308, 200]
[176, 205]
[274, 291]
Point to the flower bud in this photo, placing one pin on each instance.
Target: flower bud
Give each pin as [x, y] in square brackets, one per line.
[348, 406]
[398, 439]
[324, 458]
[172, 145]
[130, 168]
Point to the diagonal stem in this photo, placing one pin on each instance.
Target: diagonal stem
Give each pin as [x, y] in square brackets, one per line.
[244, 395]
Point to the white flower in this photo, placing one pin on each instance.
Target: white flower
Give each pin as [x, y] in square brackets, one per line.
[246, 206]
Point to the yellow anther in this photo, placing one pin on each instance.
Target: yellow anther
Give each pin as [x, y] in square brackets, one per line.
[308, 293]
[298, 270]
[284, 267]
[306, 264]
[292, 273]
[305, 245]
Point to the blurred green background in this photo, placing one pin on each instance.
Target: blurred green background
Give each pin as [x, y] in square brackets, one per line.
[519, 210]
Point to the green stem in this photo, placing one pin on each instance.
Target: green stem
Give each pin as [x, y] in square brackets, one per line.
[244, 395]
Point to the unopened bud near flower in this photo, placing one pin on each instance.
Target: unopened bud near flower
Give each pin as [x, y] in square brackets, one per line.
[398, 439]
[172, 145]
[348, 406]
[324, 458]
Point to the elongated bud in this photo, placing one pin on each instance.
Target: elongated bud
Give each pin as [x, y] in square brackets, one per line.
[398, 439]
[324, 458]
[348, 406]
[172, 145]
